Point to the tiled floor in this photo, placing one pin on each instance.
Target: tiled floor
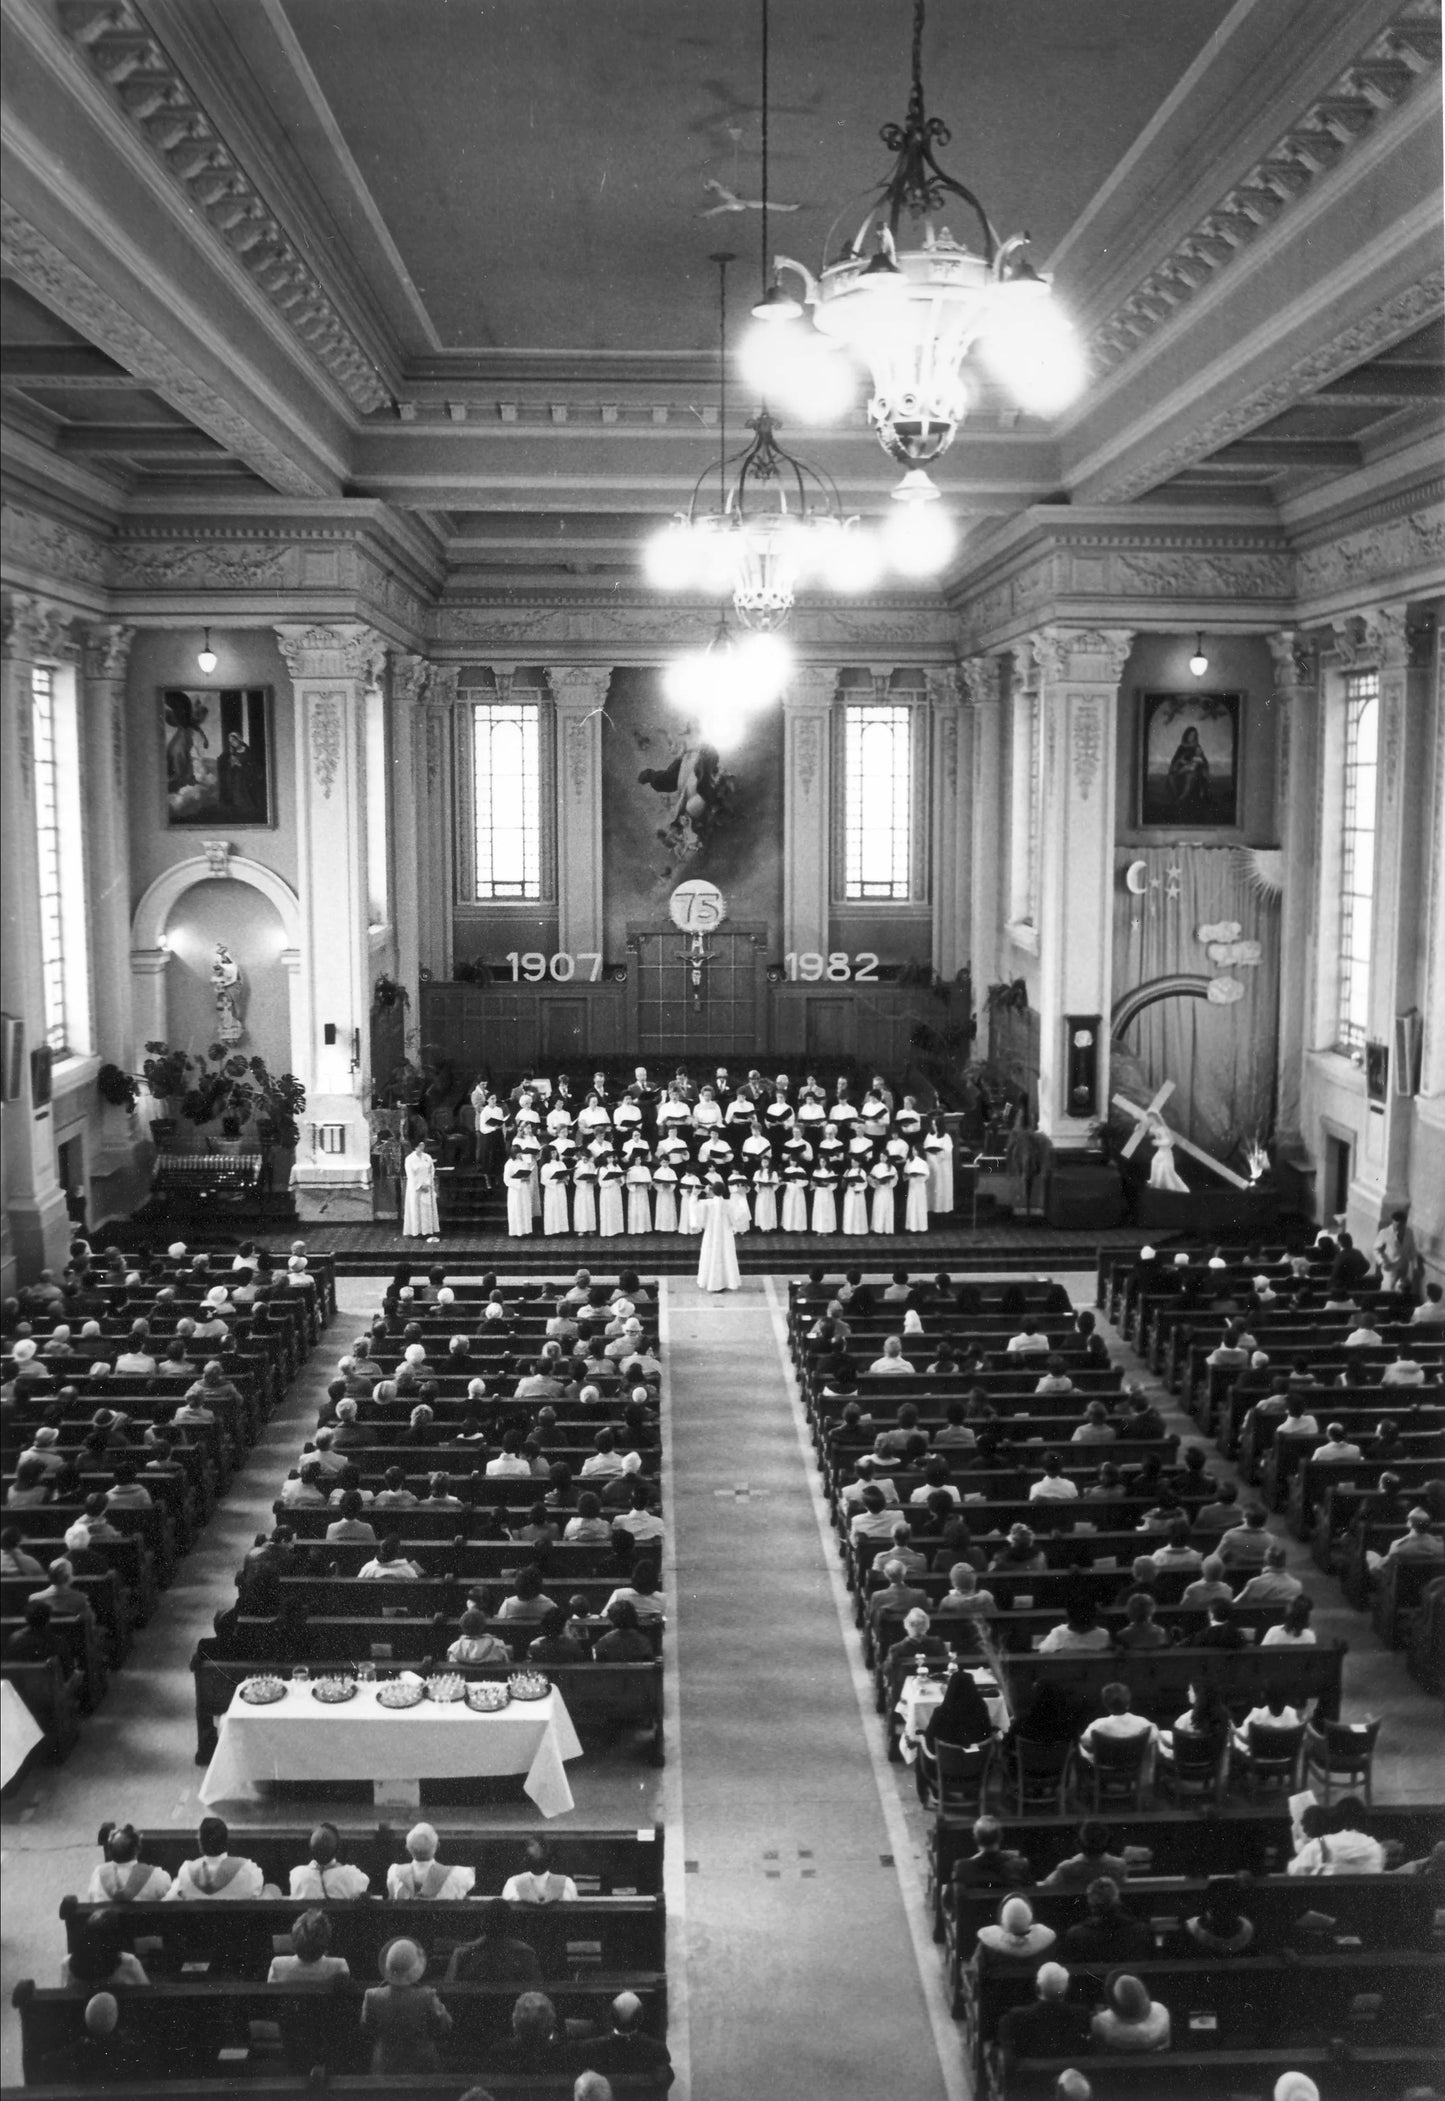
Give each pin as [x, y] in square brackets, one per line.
[800, 1959]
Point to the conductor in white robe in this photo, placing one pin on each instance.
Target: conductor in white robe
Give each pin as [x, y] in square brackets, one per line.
[419, 1214]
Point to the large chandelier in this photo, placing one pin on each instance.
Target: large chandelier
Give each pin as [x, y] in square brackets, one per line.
[913, 314]
[775, 522]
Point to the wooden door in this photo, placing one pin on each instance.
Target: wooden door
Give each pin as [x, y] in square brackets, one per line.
[562, 1035]
[697, 1004]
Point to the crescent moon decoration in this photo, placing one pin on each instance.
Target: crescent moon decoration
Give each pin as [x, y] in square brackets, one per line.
[1136, 878]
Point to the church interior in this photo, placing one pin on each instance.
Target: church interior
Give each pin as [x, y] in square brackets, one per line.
[802, 636]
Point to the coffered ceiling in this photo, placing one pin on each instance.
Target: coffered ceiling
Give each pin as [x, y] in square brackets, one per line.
[454, 254]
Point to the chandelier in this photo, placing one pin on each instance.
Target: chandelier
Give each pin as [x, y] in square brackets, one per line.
[914, 313]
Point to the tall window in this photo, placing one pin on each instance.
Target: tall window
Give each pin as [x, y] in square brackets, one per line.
[1357, 856]
[47, 842]
[877, 800]
[507, 799]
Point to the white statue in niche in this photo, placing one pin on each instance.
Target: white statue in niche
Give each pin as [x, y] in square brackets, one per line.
[226, 986]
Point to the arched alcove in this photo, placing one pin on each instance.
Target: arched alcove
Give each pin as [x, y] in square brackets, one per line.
[152, 953]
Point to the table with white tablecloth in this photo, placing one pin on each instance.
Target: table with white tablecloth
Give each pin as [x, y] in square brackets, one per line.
[19, 1732]
[920, 1696]
[301, 1738]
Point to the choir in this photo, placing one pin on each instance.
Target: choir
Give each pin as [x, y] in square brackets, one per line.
[638, 1160]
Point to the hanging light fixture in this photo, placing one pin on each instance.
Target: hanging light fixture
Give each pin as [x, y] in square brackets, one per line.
[1199, 662]
[722, 683]
[913, 314]
[206, 656]
[776, 520]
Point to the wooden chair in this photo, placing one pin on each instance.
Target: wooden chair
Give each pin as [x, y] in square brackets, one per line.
[1195, 1767]
[1342, 1756]
[1035, 1774]
[954, 1778]
[1271, 1759]
[1117, 1771]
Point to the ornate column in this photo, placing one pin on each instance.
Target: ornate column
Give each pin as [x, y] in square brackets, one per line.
[952, 728]
[104, 657]
[1078, 698]
[332, 668]
[980, 676]
[579, 692]
[807, 713]
[408, 681]
[435, 840]
[35, 1223]
[1382, 1177]
[1297, 692]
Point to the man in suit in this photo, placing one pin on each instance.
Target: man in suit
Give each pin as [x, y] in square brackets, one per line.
[1050, 2027]
[625, 2049]
[1109, 1935]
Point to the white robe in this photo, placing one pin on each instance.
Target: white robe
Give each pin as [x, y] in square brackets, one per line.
[915, 1212]
[765, 1202]
[939, 1150]
[664, 1185]
[882, 1221]
[795, 1204]
[584, 1202]
[825, 1206]
[717, 1264]
[554, 1198]
[855, 1204]
[609, 1206]
[639, 1200]
[419, 1215]
[690, 1217]
[517, 1174]
[742, 1217]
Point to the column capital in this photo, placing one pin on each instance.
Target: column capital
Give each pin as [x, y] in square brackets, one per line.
[32, 629]
[106, 648]
[578, 685]
[810, 686]
[1378, 635]
[1296, 658]
[979, 677]
[1092, 656]
[347, 650]
[409, 674]
[439, 689]
[945, 686]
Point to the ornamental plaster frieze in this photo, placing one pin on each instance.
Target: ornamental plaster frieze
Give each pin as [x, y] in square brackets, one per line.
[1319, 137]
[57, 282]
[125, 55]
[1404, 553]
[1365, 338]
[845, 633]
[32, 545]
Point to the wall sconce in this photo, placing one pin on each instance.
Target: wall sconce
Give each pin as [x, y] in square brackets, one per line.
[206, 656]
[1199, 662]
[333, 1138]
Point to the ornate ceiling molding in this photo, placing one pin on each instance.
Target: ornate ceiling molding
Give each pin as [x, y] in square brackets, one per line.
[57, 282]
[1325, 131]
[125, 55]
[597, 621]
[31, 541]
[1406, 550]
[1375, 332]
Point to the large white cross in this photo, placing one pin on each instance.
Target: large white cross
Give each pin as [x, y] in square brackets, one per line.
[1176, 1138]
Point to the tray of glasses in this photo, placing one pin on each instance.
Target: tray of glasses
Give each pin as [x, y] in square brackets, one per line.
[529, 1685]
[395, 1694]
[262, 1692]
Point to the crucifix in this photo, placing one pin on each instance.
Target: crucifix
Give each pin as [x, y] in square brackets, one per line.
[695, 955]
[1184, 1145]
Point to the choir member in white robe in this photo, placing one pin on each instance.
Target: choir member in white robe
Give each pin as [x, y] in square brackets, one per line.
[855, 1200]
[610, 1220]
[795, 1198]
[518, 1176]
[592, 1118]
[765, 1198]
[664, 1198]
[419, 1214]
[742, 1217]
[690, 1209]
[584, 1194]
[717, 1262]
[884, 1178]
[707, 1114]
[825, 1202]
[917, 1177]
[938, 1150]
[554, 1196]
[639, 1195]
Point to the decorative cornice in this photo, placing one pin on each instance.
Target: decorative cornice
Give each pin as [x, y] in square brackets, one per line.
[30, 540]
[41, 268]
[1325, 131]
[124, 53]
[1404, 546]
[1374, 332]
[598, 622]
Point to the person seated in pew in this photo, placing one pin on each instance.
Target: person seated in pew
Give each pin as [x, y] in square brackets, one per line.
[1243, 1548]
[100, 1956]
[641, 1518]
[527, 1600]
[389, 1563]
[1129, 2019]
[891, 1363]
[439, 1494]
[1221, 1630]
[1096, 1427]
[351, 1524]
[394, 1493]
[589, 1526]
[1118, 1723]
[1274, 1585]
[890, 1445]
[38, 1640]
[217, 1874]
[31, 1486]
[1272, 1713]
[875, 1519]
[1222, 1515]
[955, 1434]
[532, 2046]
[1056, 1377]
[123, 1877]
[554, 1644]
[1077, 1634]
[992, 1865]
[14, 1561]
[1020, 1553]
[1417, 1542]
[304, 1489]
[1431, 1866]
[1107, 1933]
[474, 1642]
[1208, 1585]
[1178, 1551]
[1092, 1860]
[626, 2049]
[495, 1957]
[1015, 1945]
[625, 1642]
[539, 1881]
[902, 1549]
[103, 2056]
[403, 2021]
[1028, 1342]
[853, 1493]
[540, 1528]
[1053, 1484]
[896, 1596]
[1140, 1629]
[641, 1593]
[1219, 1927]
[1049, 2026]
[1338, 1447]
[421, 1877]
[324, 1874]
[310, 1960]
[1430, 1313]
[961, 1716]
[1339, 1843]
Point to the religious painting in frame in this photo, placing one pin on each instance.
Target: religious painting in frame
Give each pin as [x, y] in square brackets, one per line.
[1189, 761]
[219, 756]
[1377, 1070]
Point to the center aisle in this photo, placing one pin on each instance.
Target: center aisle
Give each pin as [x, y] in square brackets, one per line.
[796, 1926]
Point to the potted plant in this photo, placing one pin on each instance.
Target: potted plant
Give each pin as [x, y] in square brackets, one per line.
[118, 1087]
[388, 993]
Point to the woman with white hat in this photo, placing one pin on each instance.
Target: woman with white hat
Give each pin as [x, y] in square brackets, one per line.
[404, 2021]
